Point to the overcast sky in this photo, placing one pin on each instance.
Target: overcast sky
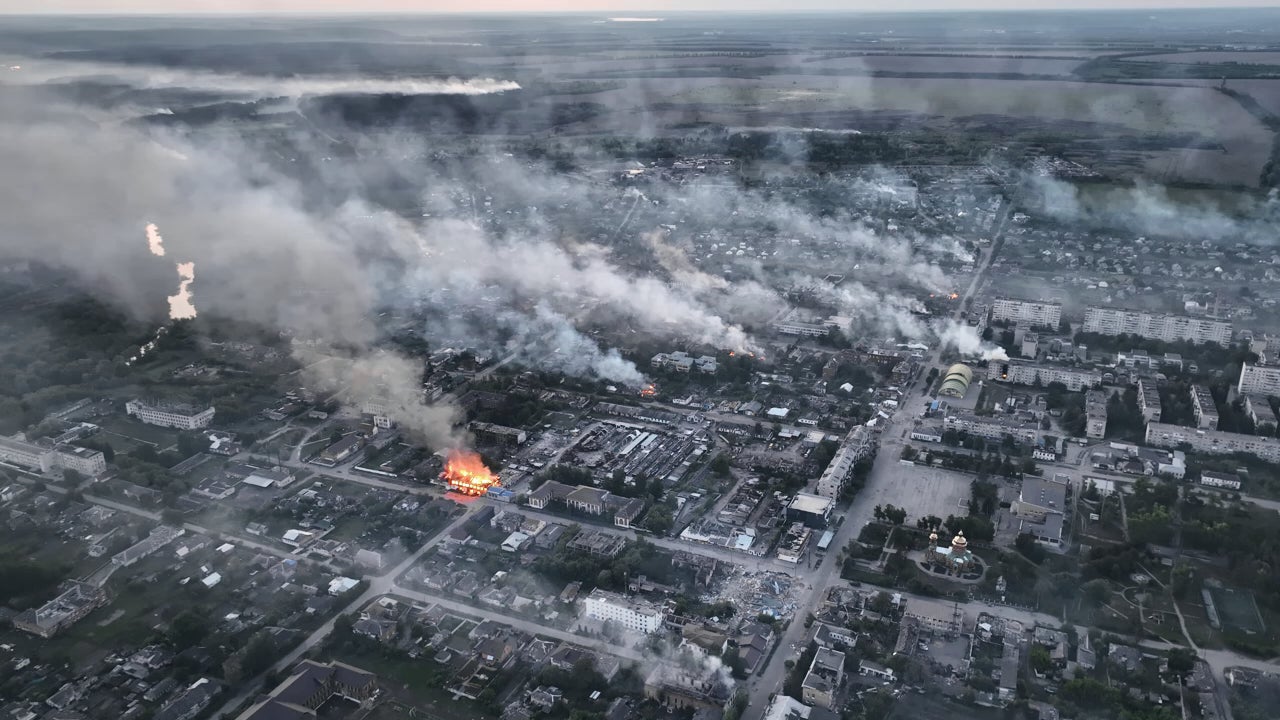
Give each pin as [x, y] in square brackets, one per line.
[610, 6]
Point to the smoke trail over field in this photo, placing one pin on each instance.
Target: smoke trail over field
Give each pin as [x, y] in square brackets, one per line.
[34, 72]
[1151, 209]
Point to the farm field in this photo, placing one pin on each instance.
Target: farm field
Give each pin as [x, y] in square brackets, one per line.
[1206, 56]
[907, 63]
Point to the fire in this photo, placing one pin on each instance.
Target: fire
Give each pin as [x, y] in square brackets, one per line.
[465, 472]
[649, 390]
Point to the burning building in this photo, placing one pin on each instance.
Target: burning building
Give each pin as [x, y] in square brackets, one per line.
[465, 472]
[689, 686]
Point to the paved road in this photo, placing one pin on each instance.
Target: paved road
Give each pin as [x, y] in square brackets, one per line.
[518, 623]
[246, 542]
[859, 513]
[718, 553]
[378, 586]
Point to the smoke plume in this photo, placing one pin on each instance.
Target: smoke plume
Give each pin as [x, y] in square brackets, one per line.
[966, 341]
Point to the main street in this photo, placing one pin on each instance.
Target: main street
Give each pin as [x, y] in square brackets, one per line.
[860, 512]
[521, 624]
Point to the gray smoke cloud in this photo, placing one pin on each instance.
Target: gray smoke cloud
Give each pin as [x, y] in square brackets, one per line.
[1151, 209]
[273, 251]
[386, 378]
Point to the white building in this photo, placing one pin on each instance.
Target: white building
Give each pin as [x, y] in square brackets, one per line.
[1204, 408]
[1149, 400]
[1259, 380]
[37, 457]
[83, 460]
[858, 444]
[1027, 312]
[1215, 442]
[992, 428]
[1156, 326]
[636, 616]
[1027, 373]
[1095, 410]
[183, 417]
[27, 455]
[1220, 480]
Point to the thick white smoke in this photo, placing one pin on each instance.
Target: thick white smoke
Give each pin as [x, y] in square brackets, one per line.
[966, 341]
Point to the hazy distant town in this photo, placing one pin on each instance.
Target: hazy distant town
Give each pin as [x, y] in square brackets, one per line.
[856, 367]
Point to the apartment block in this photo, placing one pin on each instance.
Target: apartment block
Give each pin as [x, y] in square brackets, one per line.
[992, 428]
[1213, 442]
[636, 616]
[1027, 312]
[1156, 326]
[1095, 410]
[1149, 400]
[1028, 373]
[1204, 408]
[1259, 380]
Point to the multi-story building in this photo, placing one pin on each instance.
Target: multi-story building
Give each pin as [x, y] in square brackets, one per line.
[1259, 380]
[1259, 410]
[822, 682]
[1028, 373]
[182, 417]
[1149, 400]
[499, 434]
[634, 615]
[37, 457]
[1204, 408]
[76, 601]
[26, 454]
[992, 428]
[1027, 312]
[82, 460]
[1156, 326]
[1095, 410]
[859, 444]
[1214, 442]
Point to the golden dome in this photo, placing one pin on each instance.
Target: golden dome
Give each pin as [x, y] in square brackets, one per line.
[959, 541]
[933, 536]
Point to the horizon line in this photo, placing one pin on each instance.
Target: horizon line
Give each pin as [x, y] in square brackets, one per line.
[662, 14]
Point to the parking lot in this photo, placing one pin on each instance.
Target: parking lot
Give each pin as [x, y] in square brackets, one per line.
[921, 491]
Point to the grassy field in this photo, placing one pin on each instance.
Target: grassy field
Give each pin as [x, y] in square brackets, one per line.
[122, 428]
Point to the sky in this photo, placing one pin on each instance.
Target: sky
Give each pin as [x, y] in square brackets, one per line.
[603, 6]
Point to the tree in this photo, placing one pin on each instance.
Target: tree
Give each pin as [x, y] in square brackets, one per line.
[1040, 660]
[190, 443]
[659, 520]
[72, 476]
[1096, 592]
[188, 629]
[1030, 549]
[1182, 661]
[720, 465]
[895, 515]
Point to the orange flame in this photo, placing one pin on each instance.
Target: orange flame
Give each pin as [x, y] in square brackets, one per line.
[649, 391]
[465, 473]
